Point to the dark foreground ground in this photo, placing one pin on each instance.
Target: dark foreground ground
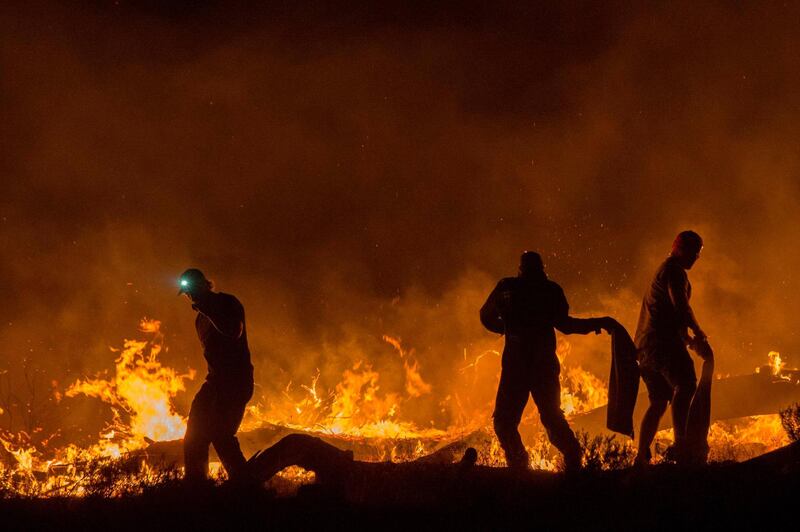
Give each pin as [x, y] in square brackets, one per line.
[722, 496]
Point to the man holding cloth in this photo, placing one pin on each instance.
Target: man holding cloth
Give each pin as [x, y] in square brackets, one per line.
[662, 338]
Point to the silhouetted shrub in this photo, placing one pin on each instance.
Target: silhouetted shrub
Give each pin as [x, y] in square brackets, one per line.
[605, 453]
[790, 419]
[101, 477]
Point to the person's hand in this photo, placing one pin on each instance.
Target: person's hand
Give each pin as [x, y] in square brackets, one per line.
[608, 324]
[699, 336]
[192, 301]
[686, 339]
[700, 345]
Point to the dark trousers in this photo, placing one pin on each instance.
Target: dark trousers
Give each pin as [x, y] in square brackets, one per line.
[216, 413]
[516, 382]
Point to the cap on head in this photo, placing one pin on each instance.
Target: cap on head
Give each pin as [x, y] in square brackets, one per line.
[190, 280]
[531, 262]
[688, 241]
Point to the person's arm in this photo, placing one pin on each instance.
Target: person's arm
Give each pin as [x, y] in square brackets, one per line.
[569, 325]
[226, 316]
[490, 312]
[679, 295]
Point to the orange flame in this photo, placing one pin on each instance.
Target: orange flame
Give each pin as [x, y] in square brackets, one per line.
[140, 389]
[775, 362]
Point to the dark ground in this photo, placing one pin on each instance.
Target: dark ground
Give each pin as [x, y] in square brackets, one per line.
[731, 496]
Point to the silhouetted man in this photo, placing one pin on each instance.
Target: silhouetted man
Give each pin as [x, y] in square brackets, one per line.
[218, 407]
[662, 337]
[525, 309]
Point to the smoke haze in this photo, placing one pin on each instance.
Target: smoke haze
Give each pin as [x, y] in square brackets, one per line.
[350, 173]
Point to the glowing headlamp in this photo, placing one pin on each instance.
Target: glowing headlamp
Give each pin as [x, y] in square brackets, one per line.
[192, 280]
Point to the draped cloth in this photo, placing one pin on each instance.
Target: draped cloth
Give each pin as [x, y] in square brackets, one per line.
[699, 420]
[623, 384]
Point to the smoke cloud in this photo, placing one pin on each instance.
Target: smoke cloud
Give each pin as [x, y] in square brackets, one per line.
[350, 173]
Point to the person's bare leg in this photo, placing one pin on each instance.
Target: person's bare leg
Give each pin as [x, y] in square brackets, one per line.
[648, 430]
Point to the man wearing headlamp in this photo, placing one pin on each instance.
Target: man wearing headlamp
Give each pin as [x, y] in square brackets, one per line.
[219, 406]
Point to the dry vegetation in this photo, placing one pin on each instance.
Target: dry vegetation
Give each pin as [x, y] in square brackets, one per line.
[790, 419]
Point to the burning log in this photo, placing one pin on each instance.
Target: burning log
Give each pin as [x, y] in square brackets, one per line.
[734, 397]
[371, 449]
[356, 480]
[312, 454]
[432, 475]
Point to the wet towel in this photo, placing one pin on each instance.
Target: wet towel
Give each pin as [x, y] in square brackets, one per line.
[699, 419]
[623, 384]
